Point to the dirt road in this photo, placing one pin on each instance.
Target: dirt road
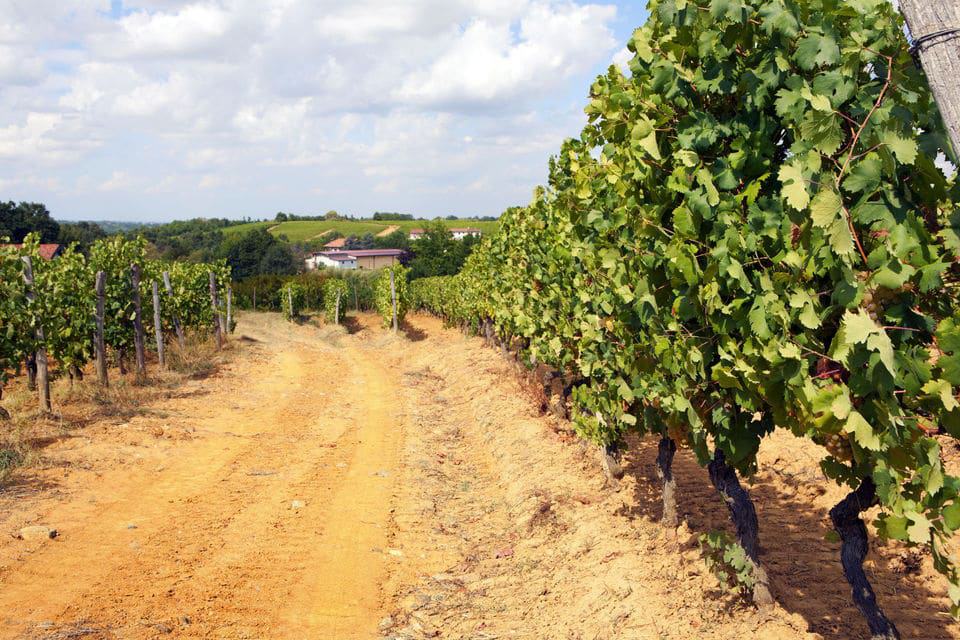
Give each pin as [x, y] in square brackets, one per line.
[269, 518]
[326, 485]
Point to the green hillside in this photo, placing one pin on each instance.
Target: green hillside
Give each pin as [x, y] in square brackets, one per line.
[303, 230]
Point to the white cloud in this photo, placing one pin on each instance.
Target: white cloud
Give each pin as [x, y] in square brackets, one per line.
[409, 98]
[188, 31]
[487, 63]
[119, 180]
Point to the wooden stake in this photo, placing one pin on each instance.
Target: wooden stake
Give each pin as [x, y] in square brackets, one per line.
[254, 298]
[393, 295]
[176, 316]
[157, 328]
[229, 328]
[217, 329]
[935, 29]
[99, 345]
[139, 339]
[336, 315]
[356, 298]
[43, 375]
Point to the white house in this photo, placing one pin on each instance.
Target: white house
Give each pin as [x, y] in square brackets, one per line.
[333, 260]
[355, 259]
[459, 233]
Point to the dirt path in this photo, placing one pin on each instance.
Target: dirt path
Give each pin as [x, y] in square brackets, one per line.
[388, 231]
[204, 537]
[327, 485]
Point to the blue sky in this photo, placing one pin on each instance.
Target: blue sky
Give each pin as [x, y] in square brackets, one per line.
[166, 109]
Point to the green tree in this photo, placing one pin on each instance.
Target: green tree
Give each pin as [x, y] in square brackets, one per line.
[396, 240]
[18, 220]
[258, 252]
[83, 234]
[437, 253]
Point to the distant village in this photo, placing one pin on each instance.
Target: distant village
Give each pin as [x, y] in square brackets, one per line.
[333, 254]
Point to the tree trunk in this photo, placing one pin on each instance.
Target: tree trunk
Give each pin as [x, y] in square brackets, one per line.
[121, 361]
[665, 453]
[99, 346]
[139, 338]
[744, 517]
[935, 29]
[176, 316]
[846, 520]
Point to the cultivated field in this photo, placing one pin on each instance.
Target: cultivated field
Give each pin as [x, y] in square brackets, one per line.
[303, 230]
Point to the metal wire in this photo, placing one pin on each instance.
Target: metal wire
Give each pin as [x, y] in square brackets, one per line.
[918, 44]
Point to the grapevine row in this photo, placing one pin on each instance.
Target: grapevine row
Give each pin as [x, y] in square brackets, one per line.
[751, 233]
[60, 304]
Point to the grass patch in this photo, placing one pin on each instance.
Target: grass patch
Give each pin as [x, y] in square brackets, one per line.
[199, 358]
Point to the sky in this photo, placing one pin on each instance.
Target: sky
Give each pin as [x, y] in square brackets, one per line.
[153, 110]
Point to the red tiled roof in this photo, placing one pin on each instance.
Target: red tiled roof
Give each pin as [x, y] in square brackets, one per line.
[47, 251]
[360, 253]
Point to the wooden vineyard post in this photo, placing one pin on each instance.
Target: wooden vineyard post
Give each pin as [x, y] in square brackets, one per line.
[43, 376]
[176, 316]
[336, 314]
[229, 327]
[99, 344]
[157, 328]
[215, 304]
[254, 298]
[139, 339]
[393, 296]
[935, 30]
[356, 298]
[290, 302]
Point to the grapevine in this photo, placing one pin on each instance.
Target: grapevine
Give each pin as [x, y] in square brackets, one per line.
[383, 296]
[751, 233]
[65, 301]
[335, 293]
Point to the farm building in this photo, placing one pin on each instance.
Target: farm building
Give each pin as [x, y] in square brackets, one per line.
[47, 251]
[459, 233]
[355, 259]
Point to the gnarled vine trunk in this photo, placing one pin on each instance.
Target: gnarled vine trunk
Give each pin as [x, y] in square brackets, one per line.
[846, 520]
[665, 453]
[744, 517]
[610, 456]
[31, 372]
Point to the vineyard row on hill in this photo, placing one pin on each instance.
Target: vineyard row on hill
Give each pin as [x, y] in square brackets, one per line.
[50, 308]
[751, 233]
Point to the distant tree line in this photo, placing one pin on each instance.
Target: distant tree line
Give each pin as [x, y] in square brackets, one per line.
[19, 219]
[257, 252]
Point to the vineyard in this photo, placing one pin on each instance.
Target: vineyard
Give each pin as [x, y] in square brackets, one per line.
[58, 315]
[751, 234]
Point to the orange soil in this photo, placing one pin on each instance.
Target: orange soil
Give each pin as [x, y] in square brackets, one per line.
[436, 502]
